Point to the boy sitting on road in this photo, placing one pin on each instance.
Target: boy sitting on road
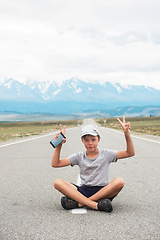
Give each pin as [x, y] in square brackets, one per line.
[95, 191]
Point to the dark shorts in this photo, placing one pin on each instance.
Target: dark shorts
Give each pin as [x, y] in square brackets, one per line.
[89, 191]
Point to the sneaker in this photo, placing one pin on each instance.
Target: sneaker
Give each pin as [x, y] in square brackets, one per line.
[68, 203]
[104, 205]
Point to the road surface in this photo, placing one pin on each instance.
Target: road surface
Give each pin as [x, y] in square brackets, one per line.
[30, 207]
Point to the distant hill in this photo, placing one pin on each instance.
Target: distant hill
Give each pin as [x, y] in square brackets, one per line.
[75, 96]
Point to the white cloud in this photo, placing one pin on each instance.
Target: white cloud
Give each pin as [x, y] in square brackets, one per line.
[116, 41]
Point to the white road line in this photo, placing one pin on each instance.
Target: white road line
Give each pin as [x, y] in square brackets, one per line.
[78, 180]
[146, 139]
[79, 210]
[150, 140]
[26, 140]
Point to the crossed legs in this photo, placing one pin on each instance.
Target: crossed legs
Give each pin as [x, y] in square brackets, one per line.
[69, 190]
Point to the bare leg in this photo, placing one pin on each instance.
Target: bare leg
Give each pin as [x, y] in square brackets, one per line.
[111, 190]
[70, 191]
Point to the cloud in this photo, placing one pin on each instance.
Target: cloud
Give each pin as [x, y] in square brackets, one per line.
[96, 40]
[129, 37]
[155, 36]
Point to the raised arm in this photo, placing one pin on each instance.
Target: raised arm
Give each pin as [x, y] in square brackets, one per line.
[56, 161]
[130, 147]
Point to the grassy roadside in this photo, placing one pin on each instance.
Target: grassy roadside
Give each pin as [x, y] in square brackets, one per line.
[13, 130]
[146, 125]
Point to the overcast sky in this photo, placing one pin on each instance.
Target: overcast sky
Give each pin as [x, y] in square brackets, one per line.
[94, 40]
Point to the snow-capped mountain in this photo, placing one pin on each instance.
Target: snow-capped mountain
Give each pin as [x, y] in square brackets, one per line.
[72, 96]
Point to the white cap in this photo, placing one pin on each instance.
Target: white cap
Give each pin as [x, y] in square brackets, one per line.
[89, 130]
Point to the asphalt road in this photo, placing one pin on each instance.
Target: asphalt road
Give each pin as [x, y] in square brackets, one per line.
[30, 207]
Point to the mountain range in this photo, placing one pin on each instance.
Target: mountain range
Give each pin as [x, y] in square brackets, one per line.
[75, 96]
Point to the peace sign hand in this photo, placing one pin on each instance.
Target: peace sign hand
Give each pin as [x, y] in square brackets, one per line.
[61, 131]
[125, 126]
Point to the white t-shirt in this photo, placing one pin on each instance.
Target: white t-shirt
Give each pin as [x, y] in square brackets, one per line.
[94, 172]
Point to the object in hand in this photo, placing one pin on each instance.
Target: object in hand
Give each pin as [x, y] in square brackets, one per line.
[55, 142]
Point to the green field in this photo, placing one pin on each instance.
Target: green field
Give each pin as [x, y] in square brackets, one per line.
[146, 125]
[13, 130]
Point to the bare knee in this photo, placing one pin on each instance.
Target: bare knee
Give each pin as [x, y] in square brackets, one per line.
[58, 183]
[120, 182]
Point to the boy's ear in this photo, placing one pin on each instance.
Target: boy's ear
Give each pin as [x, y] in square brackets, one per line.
[99, 139]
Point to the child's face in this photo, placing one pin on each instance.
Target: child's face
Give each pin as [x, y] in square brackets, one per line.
[91, 142]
